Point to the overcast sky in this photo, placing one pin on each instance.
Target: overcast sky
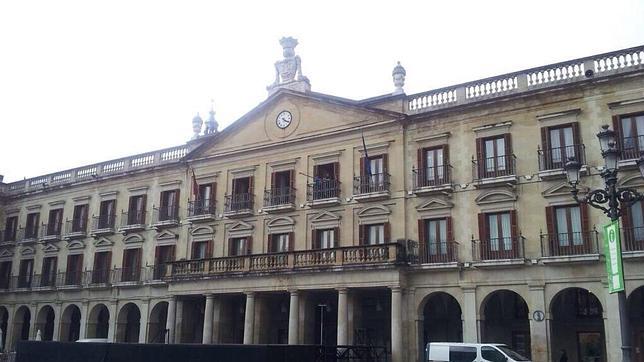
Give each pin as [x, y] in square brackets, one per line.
[87, 81]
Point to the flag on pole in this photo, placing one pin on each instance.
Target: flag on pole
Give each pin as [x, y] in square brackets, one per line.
[195, 185]
[367, 163]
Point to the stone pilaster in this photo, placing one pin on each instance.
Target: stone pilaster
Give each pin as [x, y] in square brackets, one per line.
[207, 322]
[396, 325]
[343, 317]
[169, 323]
[470, 325]
[249, 318]
[293, 318]
[538, 328]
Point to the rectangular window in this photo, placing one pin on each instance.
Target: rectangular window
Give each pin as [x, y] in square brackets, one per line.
[205, 200]
[436, 232]
[238, 246]
[107, 214]
[79, 221]
[241, 198]
[5, 274]
[163, 254]
[325, 238]
[169, 205]
[282, 188]
[55, 222]
[25, 273]
[10, 228]
[495, 159]
[74, 269]
[499, 232]
[102, 261]
[325, 181]
[131, 265]
[433, 167]
[568, 226]
[31, 228]
[630, 130]
[201, 250]
[136, 210]
[375, 234]
[279, 243]
[49, 270]
[562, 145]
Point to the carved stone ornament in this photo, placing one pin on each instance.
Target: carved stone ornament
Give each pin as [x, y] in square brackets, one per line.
[288, 71]
[398, 75]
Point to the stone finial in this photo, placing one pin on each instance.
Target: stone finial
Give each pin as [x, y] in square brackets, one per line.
[398, 75]
[197, 123]
[211, 124]
[288, 71]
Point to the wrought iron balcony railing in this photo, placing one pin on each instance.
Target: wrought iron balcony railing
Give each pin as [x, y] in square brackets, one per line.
[133, 218]
[438, 252]
[555, 157]
[52, 230]
[279, 196]
[374, 183]
[240, 202]
[323, 189]
[76, 228]
[128, 275]
[633, 239]
[70, 279]
[99, 276]
[631, 147]
[8, 235]
[432, 176]
[201, 208]
[165, 214]
[493, 167]
[498, 248]
[568, 244]
[105, 222]
[27, 234]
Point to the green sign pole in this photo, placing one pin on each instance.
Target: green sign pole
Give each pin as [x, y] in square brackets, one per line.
[613, 252]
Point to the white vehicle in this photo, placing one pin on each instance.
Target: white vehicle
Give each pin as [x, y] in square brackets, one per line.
[472, 352]
[93, 340]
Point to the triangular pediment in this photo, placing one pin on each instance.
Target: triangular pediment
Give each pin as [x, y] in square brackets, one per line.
[240, 226]
[281, 221]
[202, 230]
[634, 181]
[166, 235]
[379, 210]
[103, 243]
[27, 250]
[495, 196]
[75, 245]
[133, 238]
[562, 189]
[310, 114]
[434, 204]
[324, 216]
[50, 248]
[6, 253]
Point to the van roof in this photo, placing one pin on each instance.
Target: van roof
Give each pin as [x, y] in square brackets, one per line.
[465, 344]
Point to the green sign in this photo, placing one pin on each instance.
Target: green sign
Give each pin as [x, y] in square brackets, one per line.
[613, 252]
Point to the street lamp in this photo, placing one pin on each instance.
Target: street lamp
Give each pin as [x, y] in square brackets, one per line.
[612, 201]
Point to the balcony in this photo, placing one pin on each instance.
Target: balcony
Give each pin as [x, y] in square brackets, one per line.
[323, 192]
[633, 242]
[51, 232]
[552, 160]
[24, 281]
[99, 277]
[279, 199]
[432, 180]
[351, 257]
[75, 229]
[494, 171]
[201, 210]
[8, 236]
[165, 217]
[570, 247]
[70, 280]
[631, 148]
[132, 221]
[44, 281]
[127, 276]
[238, 205]
[441, 255]
[103, 225]
[499, 252]
[371, 187]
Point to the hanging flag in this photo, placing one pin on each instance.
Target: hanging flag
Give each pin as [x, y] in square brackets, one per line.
[195, 185]
[367, 162]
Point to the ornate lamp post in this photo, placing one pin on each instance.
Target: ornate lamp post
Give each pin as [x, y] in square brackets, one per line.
[612, 201]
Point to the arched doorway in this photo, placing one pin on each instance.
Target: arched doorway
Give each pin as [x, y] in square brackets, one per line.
[98, 324]
[442, 320]
[505, 320]
[70, 324]
[577, 326]
[22, 321]
[4, 319]
[158, 317]
[129, 324]
[45, 323]
[636, 316]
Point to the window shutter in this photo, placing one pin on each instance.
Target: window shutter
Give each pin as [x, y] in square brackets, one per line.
[213, 193]
[209, 249]
[249, 245]
[175, 207]
[387, 233]
[483, 230]
[316, 171]
[250, 184]
[336, 170]
[617, 127]
[421, 161]
[336, 237]
[585, 222]
[273, 179]
[450, 230]
[171, 254]
[314, 240]
[291, 178]
[422, 238]
[361, 234]
[385, 163]
[362, 167]
[79, 265]
[234, 187]
[126, 261]
[576, 137]
[550, 222]
[445, 156]
[626, 219]
[509, 160]
[545, 139]
[143, 205]
[480, 158]
[291, 241]
[514, 226]
[137, 259]
[231, 250]
[108, 260]
[157, 255]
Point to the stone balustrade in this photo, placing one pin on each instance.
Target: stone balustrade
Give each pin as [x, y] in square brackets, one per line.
[577, 70]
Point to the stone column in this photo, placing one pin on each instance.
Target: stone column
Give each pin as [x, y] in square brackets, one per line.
[111, 333]
[294, 318]
[470, 328]
[343, 317]
[143, 323]
[58, 311]
[538, 328]
[216, 321]
[178, 321]
[83, 321]
[613, 327]
[249, 318]
[33, 309]
[169, 323]
[11, 310]
[396, 325]
[207, 322]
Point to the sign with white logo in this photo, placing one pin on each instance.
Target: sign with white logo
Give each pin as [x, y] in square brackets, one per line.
[613, 252]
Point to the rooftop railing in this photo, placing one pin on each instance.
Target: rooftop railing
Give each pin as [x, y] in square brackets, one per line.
[553, 75]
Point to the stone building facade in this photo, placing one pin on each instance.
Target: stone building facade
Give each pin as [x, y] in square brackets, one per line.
[390, 221]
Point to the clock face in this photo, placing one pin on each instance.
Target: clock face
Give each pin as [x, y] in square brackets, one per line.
[284, 119]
